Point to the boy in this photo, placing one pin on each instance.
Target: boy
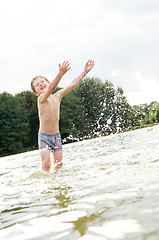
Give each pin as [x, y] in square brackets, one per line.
[49, 111]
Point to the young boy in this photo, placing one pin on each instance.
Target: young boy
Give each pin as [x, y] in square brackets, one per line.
[49, 111]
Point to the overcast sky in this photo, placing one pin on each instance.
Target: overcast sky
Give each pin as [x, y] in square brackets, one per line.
[121, 36]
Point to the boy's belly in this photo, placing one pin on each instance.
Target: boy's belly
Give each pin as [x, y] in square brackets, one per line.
[49, 126]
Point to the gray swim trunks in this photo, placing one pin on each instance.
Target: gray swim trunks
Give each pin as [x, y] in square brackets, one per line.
[51, 142]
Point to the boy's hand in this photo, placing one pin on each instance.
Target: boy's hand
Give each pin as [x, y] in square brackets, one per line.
[89, 65]
[64, 67]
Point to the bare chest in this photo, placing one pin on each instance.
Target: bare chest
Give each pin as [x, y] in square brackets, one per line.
[49, 107]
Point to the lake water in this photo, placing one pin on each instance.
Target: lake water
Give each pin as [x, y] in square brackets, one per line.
[108, 188]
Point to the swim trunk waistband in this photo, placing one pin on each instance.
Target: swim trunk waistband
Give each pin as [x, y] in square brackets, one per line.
[48, 134]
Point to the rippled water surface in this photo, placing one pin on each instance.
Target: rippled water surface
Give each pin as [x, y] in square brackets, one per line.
[108, 188]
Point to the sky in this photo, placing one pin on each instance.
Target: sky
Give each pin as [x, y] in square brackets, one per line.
[121, 36]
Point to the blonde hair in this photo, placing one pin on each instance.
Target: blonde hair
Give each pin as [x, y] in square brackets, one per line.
[35, 78]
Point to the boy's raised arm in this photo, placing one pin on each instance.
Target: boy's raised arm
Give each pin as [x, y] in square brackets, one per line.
[88, 66]
[62, 70]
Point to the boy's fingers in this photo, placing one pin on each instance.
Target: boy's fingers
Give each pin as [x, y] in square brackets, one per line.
[68, 66]
[66, 63]
[91, 62]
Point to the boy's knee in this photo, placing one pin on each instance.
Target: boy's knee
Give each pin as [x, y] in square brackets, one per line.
[46, 165]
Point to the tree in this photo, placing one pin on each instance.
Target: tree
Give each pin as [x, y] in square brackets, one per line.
[105, 110]
[157, 113]
[12, 125]
[29, 103]
[147, 113]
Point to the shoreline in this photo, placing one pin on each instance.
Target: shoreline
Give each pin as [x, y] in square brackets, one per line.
[30, 149]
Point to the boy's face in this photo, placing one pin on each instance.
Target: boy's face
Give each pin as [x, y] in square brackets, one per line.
[40, 85]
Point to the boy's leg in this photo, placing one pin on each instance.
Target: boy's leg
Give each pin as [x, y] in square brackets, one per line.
[46, 163]
[58, 159]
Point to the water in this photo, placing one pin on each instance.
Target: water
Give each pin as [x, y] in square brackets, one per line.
[108, 188]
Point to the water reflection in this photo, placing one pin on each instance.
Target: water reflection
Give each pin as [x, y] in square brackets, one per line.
[81, 225]
[62, 198]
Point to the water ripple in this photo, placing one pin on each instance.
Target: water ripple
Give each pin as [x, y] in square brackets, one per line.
[106, 183]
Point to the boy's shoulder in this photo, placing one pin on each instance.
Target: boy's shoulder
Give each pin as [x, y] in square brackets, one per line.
[52, 96]
[39, 98]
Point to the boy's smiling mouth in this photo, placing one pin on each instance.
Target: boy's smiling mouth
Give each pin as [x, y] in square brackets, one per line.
[43, 87]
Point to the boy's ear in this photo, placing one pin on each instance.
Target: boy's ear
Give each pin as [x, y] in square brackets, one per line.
[36, 94]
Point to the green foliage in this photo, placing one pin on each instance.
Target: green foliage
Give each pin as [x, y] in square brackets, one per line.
[93, 108]
[148, 113]
[29, 102]
[71, 115]
[12, 125]
[157, 114]
[105, 110]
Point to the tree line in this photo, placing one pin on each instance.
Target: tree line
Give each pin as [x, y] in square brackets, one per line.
[94, 108]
